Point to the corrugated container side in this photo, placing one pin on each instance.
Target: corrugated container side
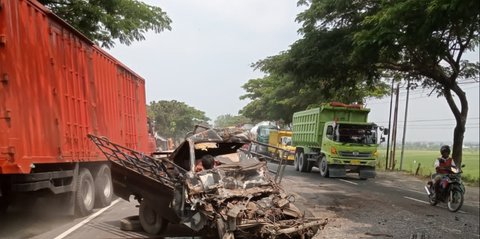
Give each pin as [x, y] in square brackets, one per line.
[59, 88]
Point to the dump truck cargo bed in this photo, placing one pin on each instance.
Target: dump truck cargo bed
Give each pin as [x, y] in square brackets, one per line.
[308, 125]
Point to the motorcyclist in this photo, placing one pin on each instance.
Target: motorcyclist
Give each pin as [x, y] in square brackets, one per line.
[442, 167]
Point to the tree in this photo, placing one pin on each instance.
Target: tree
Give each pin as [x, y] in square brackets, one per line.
[424, 40]
[348, 43]
[228, 120]
[104, 21]
[175, 119]
[295, 82]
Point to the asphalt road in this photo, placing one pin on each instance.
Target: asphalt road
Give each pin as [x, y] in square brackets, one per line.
[392, 205]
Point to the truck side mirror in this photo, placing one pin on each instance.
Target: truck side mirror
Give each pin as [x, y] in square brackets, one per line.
[386, 131]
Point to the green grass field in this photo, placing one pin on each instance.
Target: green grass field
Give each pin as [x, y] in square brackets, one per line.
[426, 159]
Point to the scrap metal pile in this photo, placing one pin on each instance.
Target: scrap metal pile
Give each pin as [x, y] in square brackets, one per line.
[237, 197]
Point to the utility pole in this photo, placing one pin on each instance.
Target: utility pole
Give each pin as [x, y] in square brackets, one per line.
[404, 125]
[394, 131]
[389, 128]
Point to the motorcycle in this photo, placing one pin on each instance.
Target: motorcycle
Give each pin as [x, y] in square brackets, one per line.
[451, 190]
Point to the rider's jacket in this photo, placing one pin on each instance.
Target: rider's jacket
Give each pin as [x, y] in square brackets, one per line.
[444, 163]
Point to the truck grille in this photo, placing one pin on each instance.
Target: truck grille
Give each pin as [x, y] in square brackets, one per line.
[355, 154]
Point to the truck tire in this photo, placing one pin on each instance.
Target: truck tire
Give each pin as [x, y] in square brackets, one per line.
[323, 167]
[302, 162]
[103, 186]
[85, 193]
[150, 220]
[295, 160]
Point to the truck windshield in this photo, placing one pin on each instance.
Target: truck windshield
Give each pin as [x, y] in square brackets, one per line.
[286, 140]
[359, 134]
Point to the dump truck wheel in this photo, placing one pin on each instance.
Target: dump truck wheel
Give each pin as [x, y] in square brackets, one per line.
[295, 161]
[85, 193]
[323, 167]
[302, 162]
[151, 221]
[103, 186]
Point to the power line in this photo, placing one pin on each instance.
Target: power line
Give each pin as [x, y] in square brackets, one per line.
[433, 125]
[436, 128]
[428, 120]
[384, 101]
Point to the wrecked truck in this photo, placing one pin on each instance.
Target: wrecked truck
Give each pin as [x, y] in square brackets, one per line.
[235, 199]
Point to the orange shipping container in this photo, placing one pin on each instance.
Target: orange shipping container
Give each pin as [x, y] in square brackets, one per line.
[56, 86]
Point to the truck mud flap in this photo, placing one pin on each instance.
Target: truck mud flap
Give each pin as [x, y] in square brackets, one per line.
[367, 173]
[337, 171]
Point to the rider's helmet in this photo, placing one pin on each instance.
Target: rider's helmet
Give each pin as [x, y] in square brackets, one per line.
[445, 149]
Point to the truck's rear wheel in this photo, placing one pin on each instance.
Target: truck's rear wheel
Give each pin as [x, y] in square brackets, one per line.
[151, 221]
[85, 193]
[103, 186]
[324, 167]
[302, 162]
[295, 161]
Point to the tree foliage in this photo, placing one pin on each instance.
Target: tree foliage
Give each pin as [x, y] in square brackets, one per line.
[305, 76]
[229, 120]
[104, 21]
[174, 119]
[348, 46]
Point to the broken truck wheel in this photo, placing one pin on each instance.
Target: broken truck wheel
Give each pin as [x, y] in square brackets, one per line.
[150, 220]
[131, 223]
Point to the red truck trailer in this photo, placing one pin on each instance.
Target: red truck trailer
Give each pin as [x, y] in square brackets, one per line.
[57, 86]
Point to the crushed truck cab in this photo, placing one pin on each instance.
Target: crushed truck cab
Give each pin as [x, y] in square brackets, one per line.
[336, 138]
[236, 199]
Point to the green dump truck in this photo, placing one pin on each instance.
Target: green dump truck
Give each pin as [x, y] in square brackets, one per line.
[337, 139]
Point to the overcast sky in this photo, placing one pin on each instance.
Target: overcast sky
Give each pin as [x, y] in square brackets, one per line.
[206, 59]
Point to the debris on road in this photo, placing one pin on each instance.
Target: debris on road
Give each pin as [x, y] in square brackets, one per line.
[237, 197]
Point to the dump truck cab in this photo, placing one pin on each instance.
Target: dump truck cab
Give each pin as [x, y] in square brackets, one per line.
[281, 139]
[349, 147]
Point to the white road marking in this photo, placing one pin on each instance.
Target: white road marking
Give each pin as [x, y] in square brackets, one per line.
[91, 217]
[400, 188]
[418, 200]
[343, 180]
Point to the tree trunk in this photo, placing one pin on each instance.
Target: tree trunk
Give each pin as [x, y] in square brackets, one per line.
[460, 118]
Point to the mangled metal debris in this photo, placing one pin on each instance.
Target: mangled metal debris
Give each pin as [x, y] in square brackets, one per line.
[237, 198]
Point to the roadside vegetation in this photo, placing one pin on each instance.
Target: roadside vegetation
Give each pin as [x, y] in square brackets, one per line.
[348, 50]
[426, 158]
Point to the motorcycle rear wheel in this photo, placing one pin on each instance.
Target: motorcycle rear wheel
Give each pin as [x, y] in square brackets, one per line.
[455, 200]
